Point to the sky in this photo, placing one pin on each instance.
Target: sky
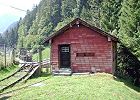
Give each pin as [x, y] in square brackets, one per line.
[8, 13]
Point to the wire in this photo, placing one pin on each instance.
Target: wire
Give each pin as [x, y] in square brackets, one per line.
[13, 7]
[18, 9]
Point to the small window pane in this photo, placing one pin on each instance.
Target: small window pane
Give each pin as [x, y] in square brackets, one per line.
[65, 49]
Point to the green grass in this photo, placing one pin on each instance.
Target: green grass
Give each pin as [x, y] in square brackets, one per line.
[12, 79]
[45, 54]
[86, 87]
[8, 71]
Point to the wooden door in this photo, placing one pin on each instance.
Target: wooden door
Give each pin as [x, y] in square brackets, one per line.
[64, 54]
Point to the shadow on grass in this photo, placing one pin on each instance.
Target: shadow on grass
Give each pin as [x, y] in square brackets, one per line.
[4, 97]
[127, 83]
[7, 69]
[43, 74]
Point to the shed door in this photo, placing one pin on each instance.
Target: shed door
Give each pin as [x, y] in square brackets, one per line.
[64, 56]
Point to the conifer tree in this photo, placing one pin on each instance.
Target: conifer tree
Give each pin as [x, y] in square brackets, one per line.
[129, 23]
[95, 9]
[109, 15]
[55, 8]
[68, 8]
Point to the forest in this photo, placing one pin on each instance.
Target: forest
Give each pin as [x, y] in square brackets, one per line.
[120, 18]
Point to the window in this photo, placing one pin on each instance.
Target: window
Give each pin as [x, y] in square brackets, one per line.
[65, 49]
[85, 54]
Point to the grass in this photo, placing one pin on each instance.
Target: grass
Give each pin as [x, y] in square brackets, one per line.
[45, 54]
[8, 71]
[12, 79]
[87, 87]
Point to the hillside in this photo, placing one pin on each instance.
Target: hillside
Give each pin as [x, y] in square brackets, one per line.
[90, 87]
[120, 18]
[117, 17]
[45, 55]
[110, 16]
[6, 19]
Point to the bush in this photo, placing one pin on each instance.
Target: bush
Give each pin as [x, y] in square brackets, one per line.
[128, 65]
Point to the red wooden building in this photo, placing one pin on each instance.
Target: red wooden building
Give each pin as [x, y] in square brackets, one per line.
[82, 48]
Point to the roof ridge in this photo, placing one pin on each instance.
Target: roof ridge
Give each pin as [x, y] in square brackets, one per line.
[80, 21]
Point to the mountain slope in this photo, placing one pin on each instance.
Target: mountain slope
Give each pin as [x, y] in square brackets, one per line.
[5, 20]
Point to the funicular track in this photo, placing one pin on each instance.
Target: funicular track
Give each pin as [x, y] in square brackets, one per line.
[24, 73]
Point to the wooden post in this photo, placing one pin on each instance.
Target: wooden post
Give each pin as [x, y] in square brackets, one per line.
[40, 60]
[13, 55]
[40, 54]
[50, 42]
[5, 55]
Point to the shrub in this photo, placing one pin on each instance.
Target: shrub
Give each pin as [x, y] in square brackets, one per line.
[128, 65]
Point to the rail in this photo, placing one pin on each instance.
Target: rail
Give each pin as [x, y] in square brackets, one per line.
[23, 73]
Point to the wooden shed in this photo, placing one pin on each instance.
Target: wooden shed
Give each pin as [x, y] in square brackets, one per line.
[80, 47]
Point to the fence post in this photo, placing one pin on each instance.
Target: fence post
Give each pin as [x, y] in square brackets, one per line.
[40, 59]
[13, 55]
[40, 54]
[5, 55]
[38, 72]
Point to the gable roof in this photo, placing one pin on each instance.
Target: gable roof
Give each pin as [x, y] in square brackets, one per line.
[79, 21]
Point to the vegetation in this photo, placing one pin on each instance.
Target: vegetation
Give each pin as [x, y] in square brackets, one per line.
[128, 65]
[8, 71]
[1, 39]
[129, 22]
[1, 61]
[6, 57]
[98, 87]
[45, 55]
[117, 17]
[10, 36]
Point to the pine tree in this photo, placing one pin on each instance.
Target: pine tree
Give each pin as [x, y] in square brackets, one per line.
[68, 8]
[129, 23]
[109, 15]
[82, 4]
[39, 10]
[94, 11]
[45, 26]
[55, 9]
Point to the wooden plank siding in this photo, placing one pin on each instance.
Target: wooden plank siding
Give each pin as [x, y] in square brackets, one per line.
[84, 40]
[91, 48]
